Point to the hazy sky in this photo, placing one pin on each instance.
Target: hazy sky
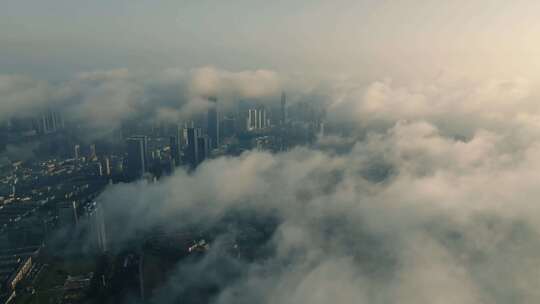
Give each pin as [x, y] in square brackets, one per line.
[380, 38]
[439, 172]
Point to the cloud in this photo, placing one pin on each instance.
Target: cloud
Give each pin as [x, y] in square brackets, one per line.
[458, 106]
[430, 199]
[22, 152]
[22, 95]
[208, 81]
[447, 220]
[102, 100]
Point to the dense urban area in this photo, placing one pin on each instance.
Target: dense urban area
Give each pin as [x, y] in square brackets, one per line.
[54, 231]
[269, 152]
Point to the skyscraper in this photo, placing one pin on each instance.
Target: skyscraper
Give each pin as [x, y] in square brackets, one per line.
[252, 119]
[203, 148]
[67, 213]
[77, 152]
[184, 136]
[99, 169]
[107, 165]
[101, 233]
[92, 153]
[261, 118]
[242, 121]
[213, 123]
[175, 149]
[49, 122]
[137, 159]
[96, 220]
[257, 119]
[193, 146]
[227, 126]
[283, 108]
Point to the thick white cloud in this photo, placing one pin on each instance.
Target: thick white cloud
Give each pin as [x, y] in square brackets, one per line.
[104, 98]
[23, 95]
[430, 205]
[208, 81]
[101, 100]
[456, 105]
[430, 199]
[451, 221]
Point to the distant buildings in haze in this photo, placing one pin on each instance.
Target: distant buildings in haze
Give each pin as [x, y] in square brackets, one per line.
[137, 156]
[213, 124]
[257, 119]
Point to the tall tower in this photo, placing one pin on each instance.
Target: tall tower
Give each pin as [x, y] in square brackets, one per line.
[100, 229]
[96, 220]
[193, 135]
[77, 152]
[262, 122]
[50, 122]
[92, 154]
[203, 148]
[137, 150]
[175, 148]
[213, 123]
[251, 120]
[107, 165]
[67, 213]
[283, 108]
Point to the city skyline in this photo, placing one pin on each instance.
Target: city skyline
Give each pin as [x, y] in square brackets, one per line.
[302, 151]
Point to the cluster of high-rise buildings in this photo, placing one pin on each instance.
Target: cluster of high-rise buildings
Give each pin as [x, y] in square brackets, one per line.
[159, 147]
[251, 125]
[46, 122]
[49, 122]
[257, 119]
[189, 145]
[57, 191]
[137, 155]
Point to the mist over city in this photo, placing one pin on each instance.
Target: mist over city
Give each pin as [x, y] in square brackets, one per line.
[231, 152]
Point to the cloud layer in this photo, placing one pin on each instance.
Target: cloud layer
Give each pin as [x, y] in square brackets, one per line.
[408, 215]
[101, 100]
[430, 199]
